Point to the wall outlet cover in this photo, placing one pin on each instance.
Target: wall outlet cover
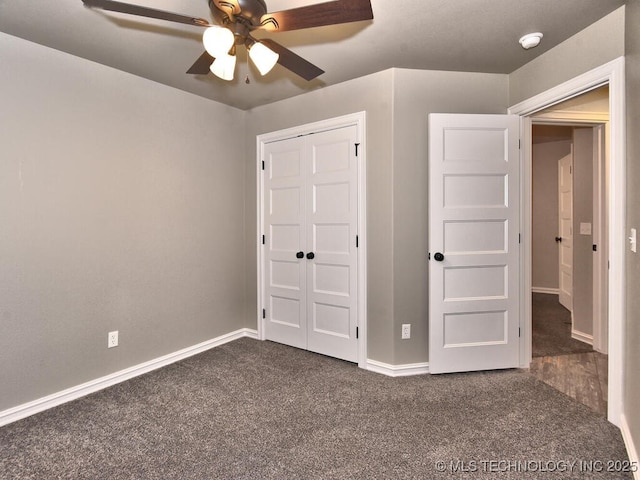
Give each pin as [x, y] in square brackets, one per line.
[112, 339]
[406, 331]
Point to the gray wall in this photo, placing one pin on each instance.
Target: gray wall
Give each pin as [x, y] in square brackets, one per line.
[632, 352]
[397, 103]
[596, 45]
[544, 218]
[122, 209]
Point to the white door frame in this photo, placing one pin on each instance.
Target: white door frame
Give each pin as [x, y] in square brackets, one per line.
[611, 73]
[359, 120]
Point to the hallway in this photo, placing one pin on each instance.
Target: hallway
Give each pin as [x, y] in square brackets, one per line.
[567, 365]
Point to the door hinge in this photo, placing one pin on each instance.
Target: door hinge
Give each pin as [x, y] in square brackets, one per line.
[264, 313]
[519, 144]
[357, 242]
[519, 238]
[594, 247]
[357, 145]
[262, 164]
[519, 332]
[357, 332]
[264, 240]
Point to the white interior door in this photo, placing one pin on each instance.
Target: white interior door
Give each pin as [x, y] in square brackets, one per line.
[285, 241]
[565, 227]
[474, 242]
[310, 209]
[332, 215]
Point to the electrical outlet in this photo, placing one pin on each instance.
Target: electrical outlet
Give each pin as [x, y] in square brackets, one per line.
[112, 340]
[406, 331]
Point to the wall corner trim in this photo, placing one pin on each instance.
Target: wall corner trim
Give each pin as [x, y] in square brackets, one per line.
[397, 370]
[36, 406]
[632, 451]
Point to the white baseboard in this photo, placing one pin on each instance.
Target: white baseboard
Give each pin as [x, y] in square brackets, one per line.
[630, 445]
[548, 291]
[397, 370]
[582, 337]
[73, 393]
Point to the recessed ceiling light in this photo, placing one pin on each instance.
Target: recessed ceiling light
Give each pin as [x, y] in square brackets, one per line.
[530, 40]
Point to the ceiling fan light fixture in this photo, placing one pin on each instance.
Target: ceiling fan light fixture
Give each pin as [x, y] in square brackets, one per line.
[530, 40]
[224, 67]
[236, 20]
[218, 41]
[263, 57]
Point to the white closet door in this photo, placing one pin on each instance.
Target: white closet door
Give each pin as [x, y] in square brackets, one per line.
[332, 215]
[285, 221]
[310, 215]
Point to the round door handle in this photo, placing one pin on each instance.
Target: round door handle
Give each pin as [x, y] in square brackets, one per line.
[438, 257]
[558, 239]
[311, 255]
[300, 255]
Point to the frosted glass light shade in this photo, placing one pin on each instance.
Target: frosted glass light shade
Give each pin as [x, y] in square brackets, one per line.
[263, 57]
[218, 41]
[224, 66]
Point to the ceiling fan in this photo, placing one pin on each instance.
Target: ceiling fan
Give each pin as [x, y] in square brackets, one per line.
[237, 19]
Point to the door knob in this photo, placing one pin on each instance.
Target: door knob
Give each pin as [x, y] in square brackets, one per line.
[558, 239]
[311, 255]
[438, 257]
[300, 255]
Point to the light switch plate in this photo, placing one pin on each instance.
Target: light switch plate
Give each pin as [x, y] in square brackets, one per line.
[585, 229]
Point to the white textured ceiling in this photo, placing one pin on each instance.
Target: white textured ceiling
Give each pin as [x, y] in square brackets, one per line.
[462, 35]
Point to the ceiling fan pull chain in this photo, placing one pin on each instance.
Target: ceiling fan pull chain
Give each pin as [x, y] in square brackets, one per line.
[247, 80]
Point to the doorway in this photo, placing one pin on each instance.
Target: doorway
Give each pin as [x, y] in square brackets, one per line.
[568, 224]
[611, 74]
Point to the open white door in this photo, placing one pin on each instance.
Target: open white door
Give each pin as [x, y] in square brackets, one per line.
[474, 242]
[565, 233]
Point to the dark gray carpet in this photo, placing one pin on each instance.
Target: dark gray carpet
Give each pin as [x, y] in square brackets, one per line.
[551, 324]
[252, 409]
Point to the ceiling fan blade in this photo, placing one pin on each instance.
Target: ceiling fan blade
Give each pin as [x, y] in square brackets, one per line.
[292, 61]
[328, 13]
[201, 67]
[121, 7]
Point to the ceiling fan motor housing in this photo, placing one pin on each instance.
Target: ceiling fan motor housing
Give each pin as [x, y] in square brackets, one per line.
[251, 11]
